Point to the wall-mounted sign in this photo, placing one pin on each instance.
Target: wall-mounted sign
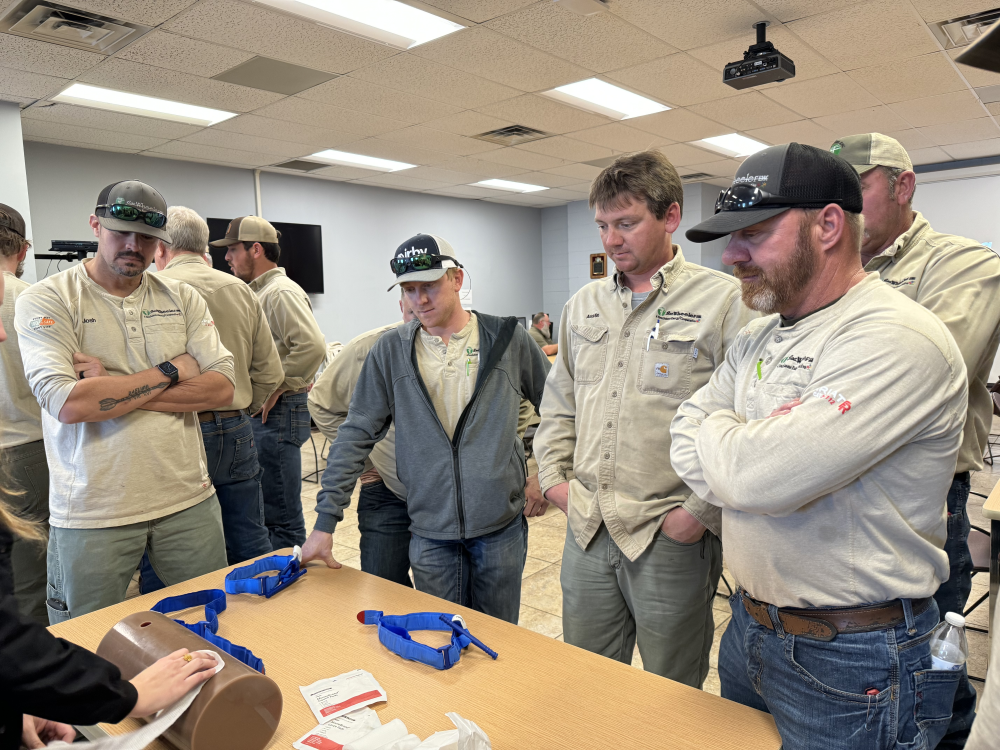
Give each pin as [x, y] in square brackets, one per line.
[598, 265]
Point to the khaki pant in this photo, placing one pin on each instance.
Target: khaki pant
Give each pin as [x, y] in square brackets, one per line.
[663, 601]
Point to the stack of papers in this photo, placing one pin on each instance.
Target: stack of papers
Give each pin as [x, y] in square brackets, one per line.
[336, 733]
[336, 696]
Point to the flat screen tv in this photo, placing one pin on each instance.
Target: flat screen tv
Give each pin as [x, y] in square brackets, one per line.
[301, 252]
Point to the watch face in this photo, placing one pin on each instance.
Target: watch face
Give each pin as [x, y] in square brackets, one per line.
[168, 369]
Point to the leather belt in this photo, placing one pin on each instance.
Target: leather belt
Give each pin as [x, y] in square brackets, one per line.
[209, 416]
[823, 624]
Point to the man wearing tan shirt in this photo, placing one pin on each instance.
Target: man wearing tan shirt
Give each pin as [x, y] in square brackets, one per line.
[642, 558]
[253, 253]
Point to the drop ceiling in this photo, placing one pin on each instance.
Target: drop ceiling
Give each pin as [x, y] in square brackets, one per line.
[861, 66]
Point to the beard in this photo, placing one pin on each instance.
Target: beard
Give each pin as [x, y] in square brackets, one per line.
[128, 271]
[774, 290]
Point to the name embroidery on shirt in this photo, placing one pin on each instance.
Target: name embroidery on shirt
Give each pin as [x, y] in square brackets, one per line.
[909, 281]
[594, 315]
[834, 397]
[90, 320]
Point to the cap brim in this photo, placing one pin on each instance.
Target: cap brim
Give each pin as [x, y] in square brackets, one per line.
[863, 168]
[224, 242]
[138, 227]
[727, 222]
[432, 275]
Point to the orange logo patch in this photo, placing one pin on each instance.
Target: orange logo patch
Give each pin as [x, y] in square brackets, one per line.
[41, 322]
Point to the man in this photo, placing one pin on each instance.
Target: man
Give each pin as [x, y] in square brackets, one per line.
[24, 472]
[451, 382]
[119, 360]
[253, 253]
[539, 331]
[828, 437]
[642, 558]
[229, 445]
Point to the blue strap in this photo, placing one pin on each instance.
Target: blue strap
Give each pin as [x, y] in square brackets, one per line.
[244, 580]
[393, 633]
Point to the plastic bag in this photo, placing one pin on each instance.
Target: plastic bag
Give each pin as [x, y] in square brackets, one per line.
[466, 736]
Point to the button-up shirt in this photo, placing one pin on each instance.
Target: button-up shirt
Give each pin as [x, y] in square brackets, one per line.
[449, 370]
[20, 414]
[296, 334]
[617, 382]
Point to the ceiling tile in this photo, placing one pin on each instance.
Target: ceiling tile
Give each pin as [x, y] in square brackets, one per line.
[467, 123]
[677, 80]
[562, 147]
[102, 119]
[619, 137]
[400, 181]
[802, 131]
[479, 167]
[171, 84]
[432, 80]
[501, 59]
[544, 114]
[436, 174]
[463, 191]
[915, 77]
[975, 76]
[822, 96]
[254, 143]
[146, 12]
[31, 55]
[859, 39]
[683, 155]
[252, 28]
[940, 109]
[404, 152]
[932, 155]
[75, 133]
[265, 127]
[973, 150]
[214, 154]
[478, 10]
[514, 157]
[365, 96]
[343, 173]
[564, 194]
[941, 10]
[718, 168]
[163, 50]
[327, 116]
[685, 24]
[576, 171]
[994, 109]
[545, 179]
[534, 200]
[791, 10]
[869, 120]
[75, 144]
[913, 139]
[746, 111]
[599, 42]
[29, 85]
[679, 125]
[438, 140]
[981, 129]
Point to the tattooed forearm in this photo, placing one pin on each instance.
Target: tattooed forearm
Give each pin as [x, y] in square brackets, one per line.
[107, 404]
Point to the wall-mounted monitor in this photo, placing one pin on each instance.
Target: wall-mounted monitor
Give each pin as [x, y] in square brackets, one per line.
[301, 252]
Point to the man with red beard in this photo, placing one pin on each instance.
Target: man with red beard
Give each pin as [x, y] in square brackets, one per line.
[828, 438]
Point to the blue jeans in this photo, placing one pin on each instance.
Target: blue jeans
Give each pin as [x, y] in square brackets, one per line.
[279, 441]
[860, 691]
[482, 573]
[385, 534]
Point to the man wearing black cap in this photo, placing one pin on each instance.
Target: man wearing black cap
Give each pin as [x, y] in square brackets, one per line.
[451, 382]
[120, 361]
[829, 438]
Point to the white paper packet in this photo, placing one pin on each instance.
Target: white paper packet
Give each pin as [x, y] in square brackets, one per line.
[336, 733]
[336, 696]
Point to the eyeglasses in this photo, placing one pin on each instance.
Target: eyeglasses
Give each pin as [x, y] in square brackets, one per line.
[423, 262]
[123, 212]
[742, 197]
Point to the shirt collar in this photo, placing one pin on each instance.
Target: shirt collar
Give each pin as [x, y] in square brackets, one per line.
[907, 239]
[661, 278]
[183, 258]
[265, 278]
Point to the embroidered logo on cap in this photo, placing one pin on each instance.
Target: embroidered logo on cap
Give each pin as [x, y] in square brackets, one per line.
[836, 148]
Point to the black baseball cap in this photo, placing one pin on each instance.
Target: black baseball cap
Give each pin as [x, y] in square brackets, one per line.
[777, 179]
[13, 220]
[423, 257]
[139, 196]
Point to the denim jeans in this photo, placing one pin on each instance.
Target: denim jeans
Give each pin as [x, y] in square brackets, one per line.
[25, 489]
[483, 573]
[860, 691]
[279, 441]
[385, 534]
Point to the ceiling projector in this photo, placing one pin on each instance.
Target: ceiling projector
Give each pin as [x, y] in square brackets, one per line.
[761, 64]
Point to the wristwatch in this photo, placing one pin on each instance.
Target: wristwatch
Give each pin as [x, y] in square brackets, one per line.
[170, 371]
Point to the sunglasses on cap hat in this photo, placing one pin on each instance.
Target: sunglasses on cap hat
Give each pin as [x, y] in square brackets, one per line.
[124, 212]
[423, 262]
[744, 196]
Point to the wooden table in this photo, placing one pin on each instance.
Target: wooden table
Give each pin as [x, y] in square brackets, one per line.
[991, 510]
[540, 693]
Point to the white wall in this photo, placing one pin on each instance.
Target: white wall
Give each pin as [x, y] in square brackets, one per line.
[555, 263]
[501, 245]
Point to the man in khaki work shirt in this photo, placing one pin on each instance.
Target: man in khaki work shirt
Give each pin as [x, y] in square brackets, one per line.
[228, 435]
[958, 280]
[119, 361]
[252, 253]
[642, 558]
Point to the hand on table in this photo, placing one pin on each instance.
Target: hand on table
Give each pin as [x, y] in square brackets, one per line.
[559, 496]
[535, 504]
[37, 733]
[784, 409]
[319, 546]
[168, 680]
[682, 527]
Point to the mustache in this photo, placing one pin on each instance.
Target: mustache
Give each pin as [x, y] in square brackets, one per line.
[745, 269]
[135, 256]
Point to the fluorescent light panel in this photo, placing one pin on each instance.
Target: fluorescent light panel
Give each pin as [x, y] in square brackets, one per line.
[345, 159]
[510, 187]
[386, 21]
[135, 104]
[733, 145]
[606, 99]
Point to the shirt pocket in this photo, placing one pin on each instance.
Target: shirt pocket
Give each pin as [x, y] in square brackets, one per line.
[165, 339]
[590, 352]
[665, 366]
[770, 396]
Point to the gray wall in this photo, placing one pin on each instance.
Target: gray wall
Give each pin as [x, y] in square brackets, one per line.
[501, 245]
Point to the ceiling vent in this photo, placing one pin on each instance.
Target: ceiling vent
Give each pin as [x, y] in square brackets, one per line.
[300, 165]
[513, 135]
[274, 75]
[961, 32]
[695, 176]
[59, 24]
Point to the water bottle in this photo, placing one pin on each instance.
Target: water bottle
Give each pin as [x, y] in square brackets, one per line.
[949, 649]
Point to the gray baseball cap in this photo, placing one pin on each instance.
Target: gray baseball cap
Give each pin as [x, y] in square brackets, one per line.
[133, 206]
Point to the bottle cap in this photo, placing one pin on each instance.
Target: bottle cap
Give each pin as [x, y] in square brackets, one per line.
[953, 618]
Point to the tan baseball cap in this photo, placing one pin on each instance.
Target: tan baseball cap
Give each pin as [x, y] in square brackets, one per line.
[247, 229]
[869, 150]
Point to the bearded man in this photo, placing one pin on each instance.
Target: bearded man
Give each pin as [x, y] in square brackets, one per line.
[828, 438]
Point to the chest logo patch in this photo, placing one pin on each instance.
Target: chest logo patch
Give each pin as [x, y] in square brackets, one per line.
[688, 317]
[41, 322]
[895, 284]
[661, 370]
[795, 362]
[161, 313]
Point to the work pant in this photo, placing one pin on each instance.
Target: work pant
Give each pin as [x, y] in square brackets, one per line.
[483, 574]
[89, 569]
[24, 487]
[385, 533]
[662, 600]
[279, 441]
[860, 691]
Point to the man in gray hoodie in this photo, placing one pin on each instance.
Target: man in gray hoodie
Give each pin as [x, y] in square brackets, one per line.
[451, 382]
